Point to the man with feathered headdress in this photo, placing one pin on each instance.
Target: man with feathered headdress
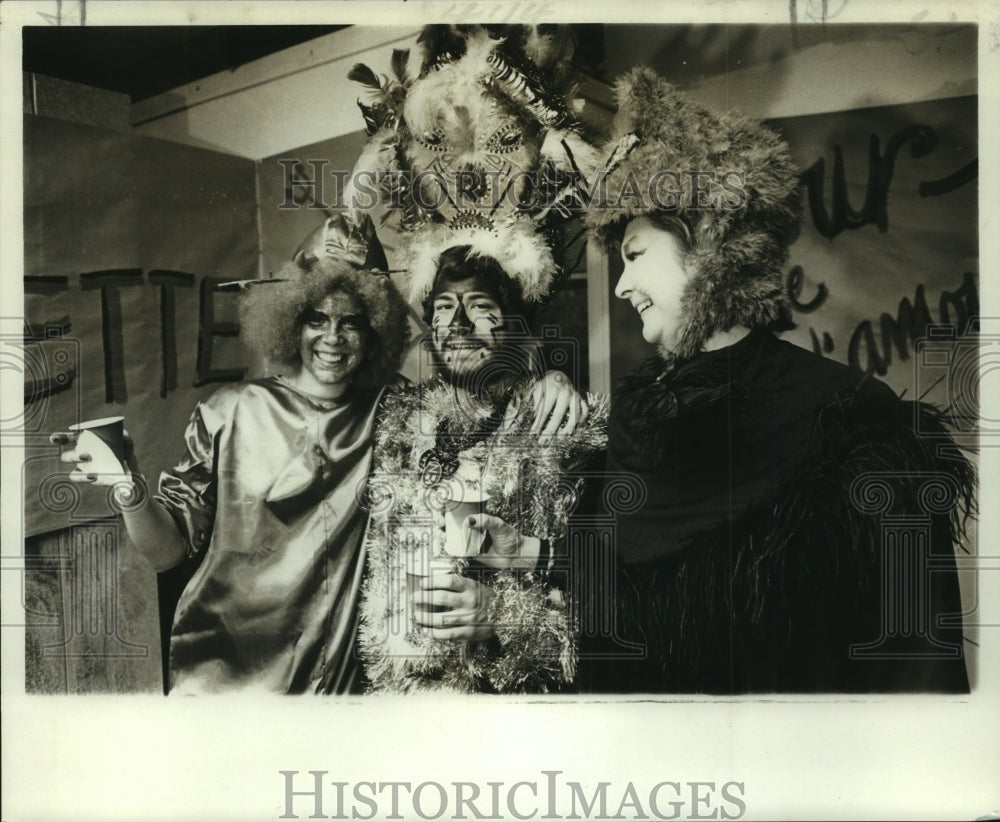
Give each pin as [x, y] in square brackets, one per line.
[470, 506]
[467, 546]
[779, 483]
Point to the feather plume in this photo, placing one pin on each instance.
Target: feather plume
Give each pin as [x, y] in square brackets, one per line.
[440, 44]
[400, 59]
[548, 46]
[360, 73]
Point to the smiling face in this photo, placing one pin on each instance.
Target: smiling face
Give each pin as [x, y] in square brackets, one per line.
[332, 345]
[466, 324]
[653, 280]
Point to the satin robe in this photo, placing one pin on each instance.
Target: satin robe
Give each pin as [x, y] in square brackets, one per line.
[269, 489]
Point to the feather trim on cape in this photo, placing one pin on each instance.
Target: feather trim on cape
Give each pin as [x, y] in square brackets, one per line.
[773, 597]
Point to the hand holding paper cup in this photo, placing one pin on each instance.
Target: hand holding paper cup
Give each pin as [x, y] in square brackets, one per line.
[98, 449]
[418, 562]
[461, 540]
[505, 540]
[468, 499]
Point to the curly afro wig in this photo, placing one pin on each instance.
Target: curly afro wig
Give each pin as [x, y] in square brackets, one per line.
[272, 313]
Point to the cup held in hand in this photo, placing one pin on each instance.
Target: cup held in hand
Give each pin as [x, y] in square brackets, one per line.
[103, 440]
[418, 562]
[459, 539]
[469, 499]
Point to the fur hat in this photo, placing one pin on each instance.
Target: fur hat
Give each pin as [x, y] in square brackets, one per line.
[521, 250]
[727, 178]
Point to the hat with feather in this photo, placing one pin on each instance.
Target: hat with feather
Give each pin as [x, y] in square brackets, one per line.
[733, 189]
[481, 148]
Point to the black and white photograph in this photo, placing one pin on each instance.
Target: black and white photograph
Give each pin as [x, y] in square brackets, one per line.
[505, 410]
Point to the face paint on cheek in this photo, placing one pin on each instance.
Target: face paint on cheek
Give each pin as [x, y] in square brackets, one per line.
[496, 330]
[439, 327]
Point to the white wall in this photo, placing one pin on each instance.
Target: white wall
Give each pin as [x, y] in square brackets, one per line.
[292, 98]
[781, 71]
[302, 95]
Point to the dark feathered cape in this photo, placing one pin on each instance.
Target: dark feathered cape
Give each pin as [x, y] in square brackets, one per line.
[785, 496]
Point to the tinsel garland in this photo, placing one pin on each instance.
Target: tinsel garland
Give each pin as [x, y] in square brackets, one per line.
[527, 479]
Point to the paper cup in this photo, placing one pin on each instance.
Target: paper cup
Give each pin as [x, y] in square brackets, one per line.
[104, 441]
[468, 499]
[459, 539]
[418, 562]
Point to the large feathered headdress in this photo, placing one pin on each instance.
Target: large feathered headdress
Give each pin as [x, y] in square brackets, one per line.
[727, 178]
[482, 148]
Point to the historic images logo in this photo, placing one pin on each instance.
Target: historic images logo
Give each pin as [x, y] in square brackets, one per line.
[481, 191]
[545, 797]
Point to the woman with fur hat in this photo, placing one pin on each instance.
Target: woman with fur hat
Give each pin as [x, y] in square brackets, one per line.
[759, 561]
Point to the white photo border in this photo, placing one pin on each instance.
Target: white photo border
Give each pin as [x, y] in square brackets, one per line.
[144, 757]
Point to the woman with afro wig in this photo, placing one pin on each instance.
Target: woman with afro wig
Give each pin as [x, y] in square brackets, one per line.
[266, 493]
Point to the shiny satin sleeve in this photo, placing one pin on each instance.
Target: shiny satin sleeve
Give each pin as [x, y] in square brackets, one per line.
[188, 491]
